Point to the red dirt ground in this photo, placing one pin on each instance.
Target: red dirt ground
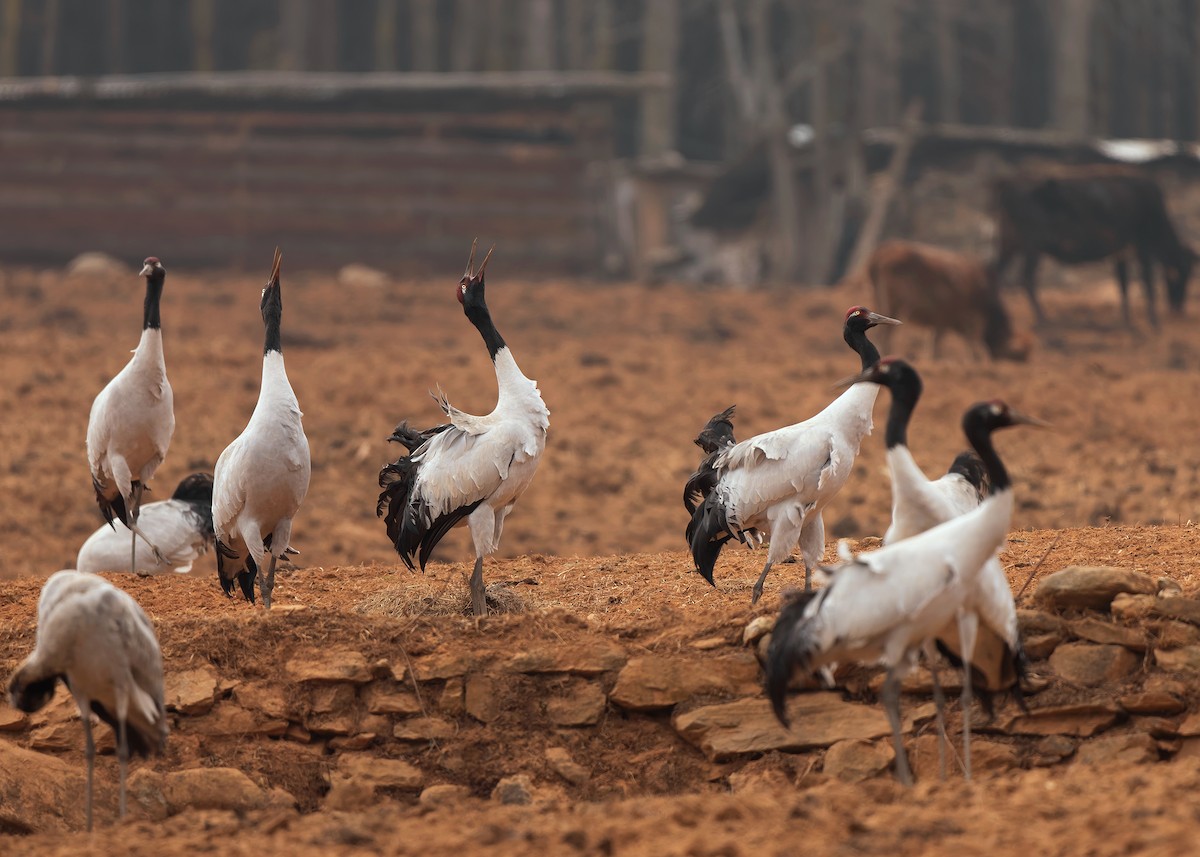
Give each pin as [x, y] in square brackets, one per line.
[630, 374]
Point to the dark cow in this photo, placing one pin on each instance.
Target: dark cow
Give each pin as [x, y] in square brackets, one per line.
[1086, 214]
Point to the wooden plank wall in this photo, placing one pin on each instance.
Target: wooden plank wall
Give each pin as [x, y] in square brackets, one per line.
[405, 191]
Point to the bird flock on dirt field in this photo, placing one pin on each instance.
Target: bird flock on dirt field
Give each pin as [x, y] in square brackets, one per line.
[935, 587]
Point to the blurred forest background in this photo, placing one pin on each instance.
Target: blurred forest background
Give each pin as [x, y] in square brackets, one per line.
[703, 104]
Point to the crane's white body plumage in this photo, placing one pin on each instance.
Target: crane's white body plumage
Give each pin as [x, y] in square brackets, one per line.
[101, 643]
[489, 460]
[262, 476]
[132, 421]
[780, 481]
[919, 503]
[176, 527]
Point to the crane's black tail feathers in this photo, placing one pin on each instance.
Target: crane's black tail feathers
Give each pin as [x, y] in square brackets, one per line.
[412, 438]
[717, 432]
[410, 525]
[113, 508]
[699, 485]
[228, 573]
[140, 743]
[970, 467]
[706, 534]
[792, 644]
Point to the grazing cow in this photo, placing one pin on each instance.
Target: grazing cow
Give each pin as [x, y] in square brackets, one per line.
[945, 291]
[1086, 214]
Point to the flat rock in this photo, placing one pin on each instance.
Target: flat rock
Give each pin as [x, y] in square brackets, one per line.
[1091, 587]
[758, 628]
[266, 698]
[423, 729]
[212, 788]
[59, 736]
[41, 793]
[381, 773]
[1152, 702]
[352, 743]
[582, 703]
[442, 665]
[146, 793]
[1131, 748]
[453, 700]
[1131, 608]
[336, 724]
[331, 698]
[727, 730]
[1106, 633]
[229, 719]
[1038, 622]
[592, 658]
[388, 698]
[513, 791]
[1190, 727]
[855, 761]
[651, 682]
[12, 719]
[443, 794]
[192, 691]
[1038, 647]
[1173, 634]
[1081, 721]
[561, 763]
[1183, 609]
[329, 665]
[1090, 665]
[481, 697]
[986, 755]
[1185, 658]
[1052, 749]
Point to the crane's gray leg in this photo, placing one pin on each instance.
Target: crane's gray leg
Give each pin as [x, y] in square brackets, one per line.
[968, 626]
[939, 703]
[266, 583]
[756, 593]
[122, 760]
[891, 704]
[478, 595]
[89, 752]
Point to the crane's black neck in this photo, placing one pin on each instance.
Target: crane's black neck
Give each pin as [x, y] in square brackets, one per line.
[151, 319]
[978, 428]
[272, 313]
[905, 385]
[856, 338]
[475, 307]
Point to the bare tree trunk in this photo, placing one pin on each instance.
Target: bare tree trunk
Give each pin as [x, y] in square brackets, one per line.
[878, 62]
[820, 246]
[495, 56]
[423, 32]
[49, 36]
[203, 14]
[603, 37]
[783, 180]
[575, 33]
[1072, 36]
[740, 78]
[946, 13]
[660, 47]
[114, 37]
[386, 17]
[324, 35]
[10, 38]
[294, 18]
[538, 47]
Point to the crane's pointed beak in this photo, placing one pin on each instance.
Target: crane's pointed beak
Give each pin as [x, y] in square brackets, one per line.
[278, 261]
[1026, 420]
[147, 270]
[876, 318]
[483, 264]
[469, 272]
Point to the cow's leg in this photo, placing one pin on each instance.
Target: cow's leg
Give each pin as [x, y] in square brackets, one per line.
[1146, 263]
[1029, 280]
[1121, 270]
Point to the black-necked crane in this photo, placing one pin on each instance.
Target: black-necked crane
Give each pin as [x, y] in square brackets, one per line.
[474, 468]
[98, 640]
[181, 527]
[780, 481]
[262, 477]
[132, 420]
[884, 605]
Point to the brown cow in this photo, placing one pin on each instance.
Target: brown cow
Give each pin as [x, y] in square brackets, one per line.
[946, 291]
[1080, 214]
